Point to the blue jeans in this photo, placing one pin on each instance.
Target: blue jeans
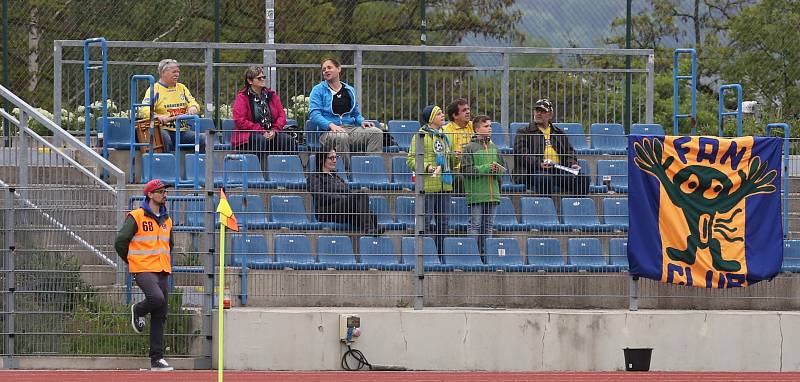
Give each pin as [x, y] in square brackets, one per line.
[481, 222]
[437, 206]
[185, 137]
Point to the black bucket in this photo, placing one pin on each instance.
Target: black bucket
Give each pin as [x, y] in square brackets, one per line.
[637, 359]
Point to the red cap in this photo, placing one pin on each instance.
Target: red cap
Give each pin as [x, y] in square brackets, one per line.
[155, 184]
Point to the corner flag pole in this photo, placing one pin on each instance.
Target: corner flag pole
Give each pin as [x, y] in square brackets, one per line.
[226, 220]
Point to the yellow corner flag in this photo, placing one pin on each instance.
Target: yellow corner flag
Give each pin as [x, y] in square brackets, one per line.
[227, 218]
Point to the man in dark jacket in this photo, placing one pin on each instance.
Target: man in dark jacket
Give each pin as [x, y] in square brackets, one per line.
[333, 200]
[539, 149]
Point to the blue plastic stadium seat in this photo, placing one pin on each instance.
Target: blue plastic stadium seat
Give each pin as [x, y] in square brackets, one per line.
[370, 171]
[501, 139]
[581, 214]
[505, 218]
[312, 167]
[289, 211]
[248, 250]
[402, 131]
[508, 185]
[616, 171]
[378, 252]
[225, 137]
[312, 136]
[587, 171]
[618, 252]
[253, 213]
[336, 252]
[430, 255]
[241, 168]
[576, 137]
[118, 133]
[791, 256]
[459, 213]
[615, 213]
[405, 210]
[401, 174]
[512, 131]
[544, 254]
[379, 206]
[163, 167]
[294, 251]
[198, 162]
[609, 138]
[585, 253]
[286, 171]
[503, 253]
[195, 214]
[462, 253]
[539, 214]
[646, 129]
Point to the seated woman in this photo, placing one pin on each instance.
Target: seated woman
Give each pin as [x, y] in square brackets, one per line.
[172, 99]
[259, 118]
[333, 200]
[334, 112]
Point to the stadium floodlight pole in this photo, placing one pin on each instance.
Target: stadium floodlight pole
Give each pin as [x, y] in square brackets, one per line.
[270, 56]
[6, 126]
[628, 31]
[216, 69]
[423, 37]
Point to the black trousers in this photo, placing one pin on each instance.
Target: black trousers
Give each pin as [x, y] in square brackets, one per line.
[154, 287]
[352, 210]
[558, 182]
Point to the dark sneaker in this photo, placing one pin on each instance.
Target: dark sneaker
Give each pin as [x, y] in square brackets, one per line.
[160, 365]
[137, 322]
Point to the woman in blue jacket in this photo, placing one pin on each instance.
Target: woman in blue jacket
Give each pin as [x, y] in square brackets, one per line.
[333, 110]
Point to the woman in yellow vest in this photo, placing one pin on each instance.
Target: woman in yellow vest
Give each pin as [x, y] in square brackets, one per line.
[145, 242]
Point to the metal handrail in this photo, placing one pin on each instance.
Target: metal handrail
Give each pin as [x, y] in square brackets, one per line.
[738, 112]
[104, 88]
[675, 78]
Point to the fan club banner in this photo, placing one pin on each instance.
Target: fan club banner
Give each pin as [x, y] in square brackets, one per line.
[705, 211]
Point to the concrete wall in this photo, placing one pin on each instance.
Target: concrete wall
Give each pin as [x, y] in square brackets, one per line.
[515, 340]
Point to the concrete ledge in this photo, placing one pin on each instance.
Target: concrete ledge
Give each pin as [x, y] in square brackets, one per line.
[513, 340]
[99, 363]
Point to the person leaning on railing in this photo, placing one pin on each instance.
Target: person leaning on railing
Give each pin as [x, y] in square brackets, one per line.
[259, 118]
[172, 99]
[334, 201]
[538, 148]
[334, 112]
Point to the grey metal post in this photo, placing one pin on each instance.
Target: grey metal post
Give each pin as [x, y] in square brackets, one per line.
[122, 198]
[208, 244]
[633, 290]
[9, 361]
[648, 114]
[358, 62]
[57, 82]
[270, 57]
[23, 155]
[208, 89]
[419, 221]
[504, 91]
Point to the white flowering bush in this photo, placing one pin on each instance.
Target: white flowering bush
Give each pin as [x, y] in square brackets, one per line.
[298, 109]
[225, 111]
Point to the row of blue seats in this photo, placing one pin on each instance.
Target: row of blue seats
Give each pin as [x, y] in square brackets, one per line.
[368, 171]
[459, 253]
[606, 138]
[288, 211]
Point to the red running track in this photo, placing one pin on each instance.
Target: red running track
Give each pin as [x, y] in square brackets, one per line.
[364, 376]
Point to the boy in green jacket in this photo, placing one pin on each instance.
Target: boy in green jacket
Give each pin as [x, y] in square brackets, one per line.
[437, 177]
[482, 166]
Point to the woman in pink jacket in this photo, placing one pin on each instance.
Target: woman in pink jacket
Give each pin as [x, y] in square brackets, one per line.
[259, 118]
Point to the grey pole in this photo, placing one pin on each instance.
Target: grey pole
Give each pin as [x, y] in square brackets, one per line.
[419, 221]
[504, 91]
[57, 51]
[649, 91]
[10, 285]
[633, 290]
[270, 56]
[6, 125]
[358, 62]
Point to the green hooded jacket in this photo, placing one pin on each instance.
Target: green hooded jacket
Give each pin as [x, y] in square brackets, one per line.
[480, 184]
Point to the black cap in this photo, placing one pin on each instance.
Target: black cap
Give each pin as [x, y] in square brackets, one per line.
[544, 104]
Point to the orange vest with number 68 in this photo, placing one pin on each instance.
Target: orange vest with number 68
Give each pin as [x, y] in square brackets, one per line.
[148, 251]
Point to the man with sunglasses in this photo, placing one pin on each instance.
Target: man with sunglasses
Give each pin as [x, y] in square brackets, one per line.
[145, 243]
